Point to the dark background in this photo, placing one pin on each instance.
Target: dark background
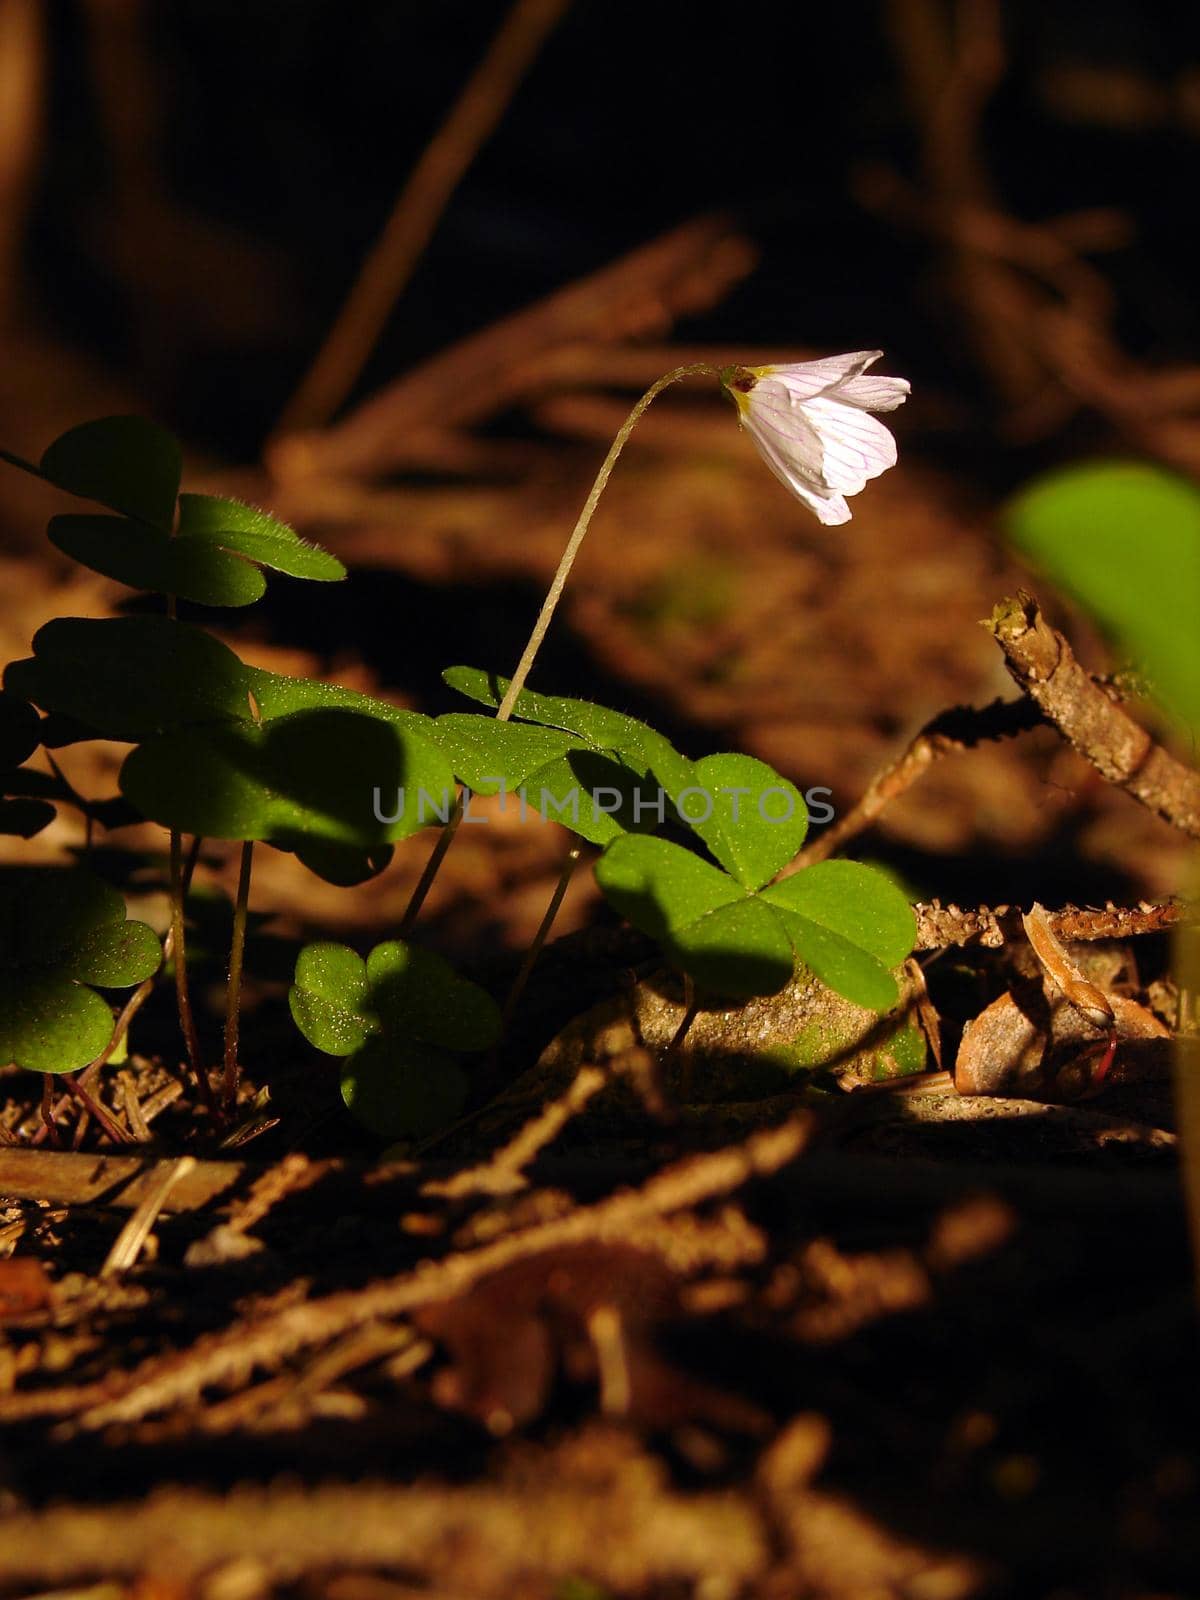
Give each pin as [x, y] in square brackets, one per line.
[274, 136]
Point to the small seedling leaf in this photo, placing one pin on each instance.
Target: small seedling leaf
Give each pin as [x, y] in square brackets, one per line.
[403, 1090]
[328, 997]
[419, 995]
[49, 1024]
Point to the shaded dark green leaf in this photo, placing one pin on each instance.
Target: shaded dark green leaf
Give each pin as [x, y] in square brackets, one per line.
[126, 463]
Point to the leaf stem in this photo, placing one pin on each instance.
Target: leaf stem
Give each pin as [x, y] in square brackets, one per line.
[233, 999]
[183, 998]
[89, 1102]
[690, 1007]
[543, 933]
[436, 857]
[48, 1110]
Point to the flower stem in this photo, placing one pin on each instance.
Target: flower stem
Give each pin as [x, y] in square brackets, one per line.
[233, 999]
[542, 626]
[559, 581]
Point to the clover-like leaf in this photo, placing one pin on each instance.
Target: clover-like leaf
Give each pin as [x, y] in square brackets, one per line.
[328, 998]
[127, 678]
[147, 558]
[849, 924]
[246, 531]
[235, 752]
[62, 930]
[404, 1092]
[126, 463]
[603, 729]
[592, 792]
[708, 795]
[313, 775]
[399, 1019]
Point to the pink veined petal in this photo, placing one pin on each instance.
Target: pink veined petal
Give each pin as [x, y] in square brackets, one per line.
[793, 452]
[873, 392]
[803, 379]
[855, 446]
[778, 424]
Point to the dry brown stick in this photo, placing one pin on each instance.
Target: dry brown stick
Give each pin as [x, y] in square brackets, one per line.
[504, 1172]
[634, 1534]
[683, 272]
[229, 1356]
[939, 927]
[960, 728]
[130, 1241]
[423, 199]
[1043, 664]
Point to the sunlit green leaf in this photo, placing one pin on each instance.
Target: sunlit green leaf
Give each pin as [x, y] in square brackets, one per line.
[255, 534]
[1124, 537]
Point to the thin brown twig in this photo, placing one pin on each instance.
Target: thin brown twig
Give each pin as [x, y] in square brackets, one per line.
[1043, 664]
[939, 927]
[504, 1172]
[421, 202]
[679, 274]
[162, 1382]
[960, 728]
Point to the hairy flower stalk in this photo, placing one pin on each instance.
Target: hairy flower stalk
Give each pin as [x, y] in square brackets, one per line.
[811, 422]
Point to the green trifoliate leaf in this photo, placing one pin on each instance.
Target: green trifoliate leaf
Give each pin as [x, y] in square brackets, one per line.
[235, 752]
[593, 793]
[327, 775]
[145, 558]
[601, 728]
[398, 1018]
[246, 531]
[127, 678]
[849, 924]
[404, 1090]
[61, 930]
[126, 463]
[418, 995]
[328, 998]
[752, 819]
[704, 920]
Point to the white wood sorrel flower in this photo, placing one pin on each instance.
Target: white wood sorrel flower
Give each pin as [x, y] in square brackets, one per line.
[812, 424]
